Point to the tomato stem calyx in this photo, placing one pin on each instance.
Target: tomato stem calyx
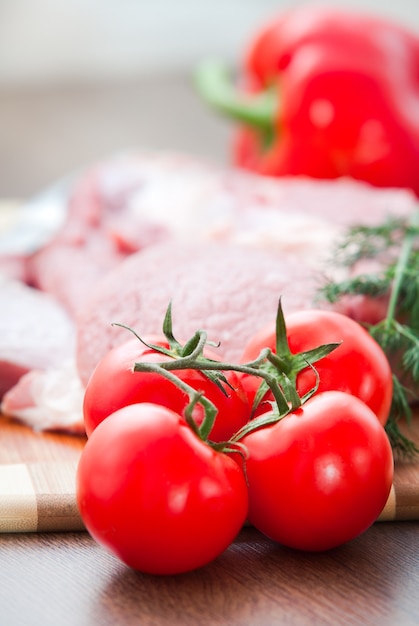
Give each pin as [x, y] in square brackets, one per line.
[277, 372]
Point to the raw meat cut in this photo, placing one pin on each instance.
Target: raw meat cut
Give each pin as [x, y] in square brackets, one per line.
[48, 399]
[135, 200]
[14, 266]
[225, 289]
[35, 331]
[98, 233]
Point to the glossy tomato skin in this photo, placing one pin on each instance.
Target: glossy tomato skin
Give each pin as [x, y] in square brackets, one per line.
[320, 476]
[114, 384]
[155, 495]
[358, 366]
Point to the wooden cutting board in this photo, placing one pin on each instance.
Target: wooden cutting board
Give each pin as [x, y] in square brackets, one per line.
[37, 481]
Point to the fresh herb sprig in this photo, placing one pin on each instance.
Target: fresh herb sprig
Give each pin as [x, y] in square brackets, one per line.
[394, 248]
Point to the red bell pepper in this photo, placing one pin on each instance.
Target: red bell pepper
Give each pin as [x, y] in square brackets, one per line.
[325, 93]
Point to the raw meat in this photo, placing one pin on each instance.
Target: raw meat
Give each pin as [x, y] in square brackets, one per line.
[102, 228]
[35, 332]
[49, 399]
[136, 200]
[14, 266]
[225, 289]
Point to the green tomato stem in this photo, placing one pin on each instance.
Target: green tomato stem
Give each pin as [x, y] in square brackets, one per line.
[196, 361]
[251, 368]
[277, 371]
[194, 397]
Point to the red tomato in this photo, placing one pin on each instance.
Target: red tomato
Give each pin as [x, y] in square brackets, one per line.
[320, 476]
[155, 495]
[114, 384]
[358, 366]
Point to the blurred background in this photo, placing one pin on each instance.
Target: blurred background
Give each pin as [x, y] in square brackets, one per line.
[82, 79]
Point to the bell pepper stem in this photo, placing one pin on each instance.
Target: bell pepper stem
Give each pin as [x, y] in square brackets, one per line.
[215, 86]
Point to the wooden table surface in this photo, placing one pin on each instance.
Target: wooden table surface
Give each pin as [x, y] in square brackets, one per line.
[66, 579]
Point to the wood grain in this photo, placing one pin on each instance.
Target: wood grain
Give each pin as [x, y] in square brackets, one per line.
[67, 579]
[20, 444]
[37, 479]
[38, 497]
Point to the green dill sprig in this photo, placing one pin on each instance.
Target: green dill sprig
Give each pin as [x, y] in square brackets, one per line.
[365, 284]
[394, 245]
[367, 242]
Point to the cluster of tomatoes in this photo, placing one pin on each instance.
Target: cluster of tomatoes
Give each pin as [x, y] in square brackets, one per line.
[166, 487]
